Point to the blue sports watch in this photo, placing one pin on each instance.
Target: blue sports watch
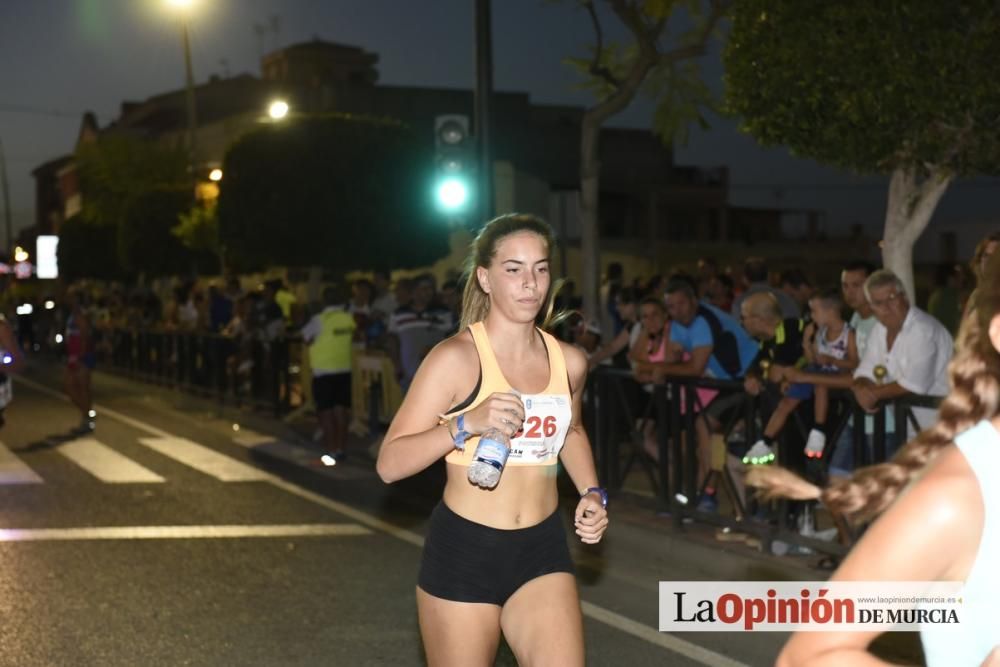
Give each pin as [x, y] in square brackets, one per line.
[462, 434]
[601, 492]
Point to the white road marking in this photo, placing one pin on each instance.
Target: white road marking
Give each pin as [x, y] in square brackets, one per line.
[182, 532]
[251, 439]
[600, 614]
[206, 460]
[347, 510]
[15, 471]
[105, 463]
[670, 642]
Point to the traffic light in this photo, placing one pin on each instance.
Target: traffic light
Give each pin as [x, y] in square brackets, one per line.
[454, 163]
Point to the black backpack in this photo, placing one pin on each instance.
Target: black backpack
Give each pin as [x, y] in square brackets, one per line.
[725, 347]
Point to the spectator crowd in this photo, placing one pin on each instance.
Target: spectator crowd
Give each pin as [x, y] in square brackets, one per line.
[775, 332]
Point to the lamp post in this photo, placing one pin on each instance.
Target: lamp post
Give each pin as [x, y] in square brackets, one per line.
[184, 8]
[6, 199]
[483, 107]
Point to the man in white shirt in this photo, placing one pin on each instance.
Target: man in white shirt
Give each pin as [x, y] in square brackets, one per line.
[911, 345]
[914, 350]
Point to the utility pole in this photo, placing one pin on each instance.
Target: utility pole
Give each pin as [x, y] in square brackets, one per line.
[483, 106]
[189, 81]
[8, 227]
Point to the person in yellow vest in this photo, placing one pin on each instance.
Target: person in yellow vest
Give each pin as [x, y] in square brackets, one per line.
[329, 335]
[284, 298]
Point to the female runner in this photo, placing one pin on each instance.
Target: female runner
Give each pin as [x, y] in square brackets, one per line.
[497, 560]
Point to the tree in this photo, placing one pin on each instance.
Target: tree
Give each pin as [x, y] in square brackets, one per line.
[198, 229]
[337, 191]
[138, 189]
[88, 250]
[616, 74]
[904, 88]
[146, 241]
[118, 169]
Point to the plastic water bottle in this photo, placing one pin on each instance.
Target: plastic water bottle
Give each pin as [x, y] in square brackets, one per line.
[490, 458]
[806, 521]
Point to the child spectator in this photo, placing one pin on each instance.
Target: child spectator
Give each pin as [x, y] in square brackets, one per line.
[831, 349]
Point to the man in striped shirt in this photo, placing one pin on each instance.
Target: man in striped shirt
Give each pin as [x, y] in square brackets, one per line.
[417, 327]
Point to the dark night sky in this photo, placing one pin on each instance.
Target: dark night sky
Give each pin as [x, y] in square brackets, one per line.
[62, 57]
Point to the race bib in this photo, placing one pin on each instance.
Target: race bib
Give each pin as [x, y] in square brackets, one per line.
[546, 421]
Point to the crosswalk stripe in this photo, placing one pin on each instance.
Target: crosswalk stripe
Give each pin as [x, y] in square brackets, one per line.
[105, 463]
[181, 532]
[15, 471]
[251, 439]
[205, 460]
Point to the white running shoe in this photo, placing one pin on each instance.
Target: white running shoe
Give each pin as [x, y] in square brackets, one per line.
[760, 454]
[815, 444]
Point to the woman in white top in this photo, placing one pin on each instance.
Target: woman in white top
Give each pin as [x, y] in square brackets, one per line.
[941, 501]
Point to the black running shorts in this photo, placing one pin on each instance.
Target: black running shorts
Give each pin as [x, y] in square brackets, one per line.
[466, 561]
[332, 390]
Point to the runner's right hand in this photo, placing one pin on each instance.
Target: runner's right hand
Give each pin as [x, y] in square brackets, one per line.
[503, 411]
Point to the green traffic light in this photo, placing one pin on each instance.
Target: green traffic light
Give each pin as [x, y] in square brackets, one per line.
[452, 194]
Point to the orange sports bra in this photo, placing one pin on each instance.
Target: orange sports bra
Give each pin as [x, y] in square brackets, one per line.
[547, 415]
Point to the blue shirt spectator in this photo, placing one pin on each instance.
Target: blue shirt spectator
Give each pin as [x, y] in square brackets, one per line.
[699, 325]
[700, 334]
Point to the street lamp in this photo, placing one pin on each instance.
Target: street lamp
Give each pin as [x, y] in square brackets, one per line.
[184, 7]
[6, 198]
[20, 254]
[278, 109]
[215, 175]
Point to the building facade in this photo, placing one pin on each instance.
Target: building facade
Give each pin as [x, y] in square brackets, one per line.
[645, 198]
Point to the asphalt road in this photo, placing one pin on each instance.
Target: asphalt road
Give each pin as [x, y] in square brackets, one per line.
[166, 537]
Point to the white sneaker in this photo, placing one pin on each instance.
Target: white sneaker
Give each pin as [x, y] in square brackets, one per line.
[815, 444]
[331, 459]
[760, 454]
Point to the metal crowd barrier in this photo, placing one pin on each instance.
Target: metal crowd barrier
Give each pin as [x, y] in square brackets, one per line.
[615, 403]
[244, 371]
[375, 392]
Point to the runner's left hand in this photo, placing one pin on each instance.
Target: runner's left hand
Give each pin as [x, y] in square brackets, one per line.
[591, 519]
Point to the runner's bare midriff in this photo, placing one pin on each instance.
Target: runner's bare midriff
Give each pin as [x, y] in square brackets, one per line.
[525, 496]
